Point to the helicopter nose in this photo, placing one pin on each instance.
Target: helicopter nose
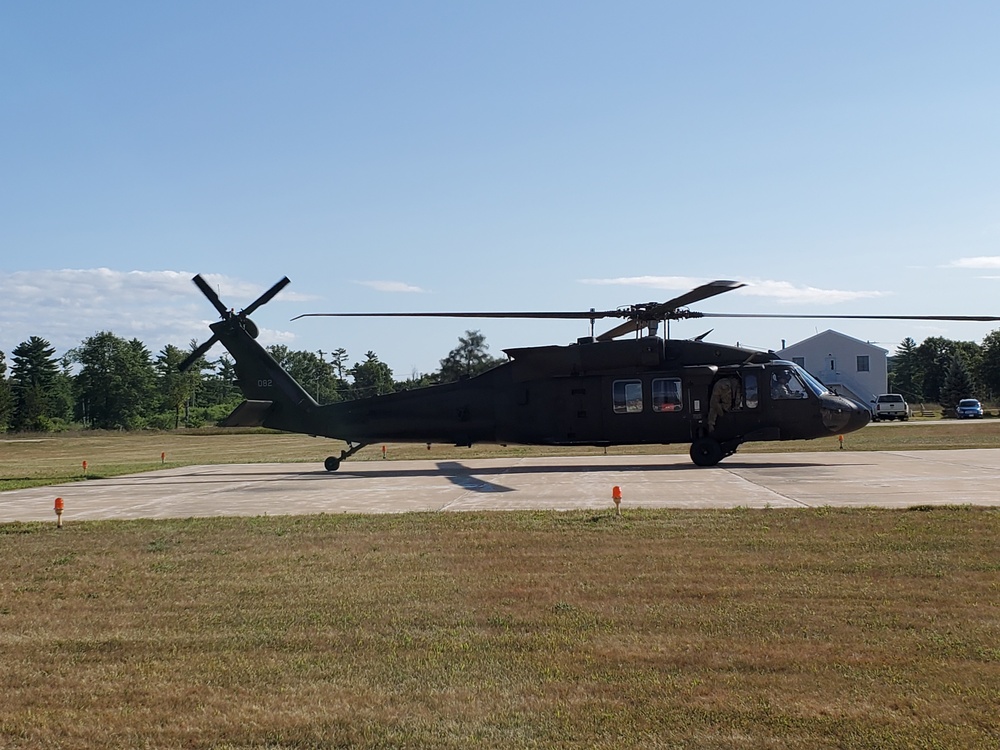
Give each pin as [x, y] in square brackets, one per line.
[860, 416]
[841, 415]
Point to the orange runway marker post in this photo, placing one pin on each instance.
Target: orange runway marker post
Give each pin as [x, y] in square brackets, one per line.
[59, 512]
[841, 439]
[163, 458]
[616, 495]
[383, 451]
[85, 468]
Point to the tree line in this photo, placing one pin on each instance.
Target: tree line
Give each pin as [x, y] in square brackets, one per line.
[108, 382]
[943, 371]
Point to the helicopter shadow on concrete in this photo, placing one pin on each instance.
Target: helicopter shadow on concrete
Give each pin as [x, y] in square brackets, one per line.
[469, 478]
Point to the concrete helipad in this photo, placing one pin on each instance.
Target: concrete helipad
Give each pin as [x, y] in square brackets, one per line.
[791, 480]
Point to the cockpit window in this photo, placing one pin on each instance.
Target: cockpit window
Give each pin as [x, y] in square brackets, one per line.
[789, 381]
[811, 383]
[785, 385]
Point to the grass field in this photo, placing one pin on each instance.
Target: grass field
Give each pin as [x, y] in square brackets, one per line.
[745, 629]
[658, 629]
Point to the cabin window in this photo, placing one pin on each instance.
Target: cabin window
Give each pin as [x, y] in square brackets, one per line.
[667, 394]
[627, 396]
[863, 363]
[751, 399]
[800, 361]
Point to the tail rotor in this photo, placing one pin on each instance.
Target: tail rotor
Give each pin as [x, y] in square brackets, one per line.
[229, 318]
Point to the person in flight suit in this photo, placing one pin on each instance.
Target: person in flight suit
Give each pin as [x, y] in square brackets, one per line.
[779, 385]
[725, 395]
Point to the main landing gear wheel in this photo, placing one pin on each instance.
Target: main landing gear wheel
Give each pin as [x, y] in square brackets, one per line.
[706, 451]
[332, 463]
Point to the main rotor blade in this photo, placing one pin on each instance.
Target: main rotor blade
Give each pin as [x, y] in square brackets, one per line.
[963, 318]
[207, 290]
[629, 326]
[193, 356]
[566, 315]
[267, 296]
[668, 309]
[653, 311]
[697, 294]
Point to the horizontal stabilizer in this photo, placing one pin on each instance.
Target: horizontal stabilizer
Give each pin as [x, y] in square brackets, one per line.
[248, 414]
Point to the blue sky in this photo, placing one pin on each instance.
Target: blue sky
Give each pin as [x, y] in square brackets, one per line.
[837, 157]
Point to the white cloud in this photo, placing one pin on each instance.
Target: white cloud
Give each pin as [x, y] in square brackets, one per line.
[780, 291]
[784, 291]
[158, 307]
[989, 262]
[671, 283]
[390, 286]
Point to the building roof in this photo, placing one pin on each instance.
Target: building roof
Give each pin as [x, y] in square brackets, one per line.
[831, 333]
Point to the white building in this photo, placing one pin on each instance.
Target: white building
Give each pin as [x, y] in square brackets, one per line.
[843, 364]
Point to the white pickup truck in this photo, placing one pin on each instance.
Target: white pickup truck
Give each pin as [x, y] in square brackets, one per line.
[890, 406]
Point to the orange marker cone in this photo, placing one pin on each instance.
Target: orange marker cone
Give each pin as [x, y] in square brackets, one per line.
[59, 512]
[616, 495]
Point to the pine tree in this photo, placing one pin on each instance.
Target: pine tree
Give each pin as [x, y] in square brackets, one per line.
[957, 384]
[34, 370]
[905, 375]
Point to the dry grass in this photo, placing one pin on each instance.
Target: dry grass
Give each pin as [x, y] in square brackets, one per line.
[734, 629]
[50, 459]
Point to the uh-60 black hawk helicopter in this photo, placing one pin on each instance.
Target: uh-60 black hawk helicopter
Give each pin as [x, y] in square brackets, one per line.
[597, 392]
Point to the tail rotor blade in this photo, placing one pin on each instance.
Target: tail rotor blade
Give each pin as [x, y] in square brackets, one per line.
[267, 296]
[197, 353]
[207, 290]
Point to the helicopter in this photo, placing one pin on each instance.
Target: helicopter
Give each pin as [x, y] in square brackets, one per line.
[599, 391]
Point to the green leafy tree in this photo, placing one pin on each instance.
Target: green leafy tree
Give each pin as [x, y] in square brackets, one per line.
[371, 377]
[467, 359]
[311, 371]
[958, 384]
[62, 395]
[933, 357]
[280, 353]
[116, 383]
[416, 380]
[219, 385]
[176, 388]
[988, 370]
[6, 397]
[34, 371]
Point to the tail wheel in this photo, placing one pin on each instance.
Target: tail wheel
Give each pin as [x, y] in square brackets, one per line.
[332, 463]
[706, 451]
